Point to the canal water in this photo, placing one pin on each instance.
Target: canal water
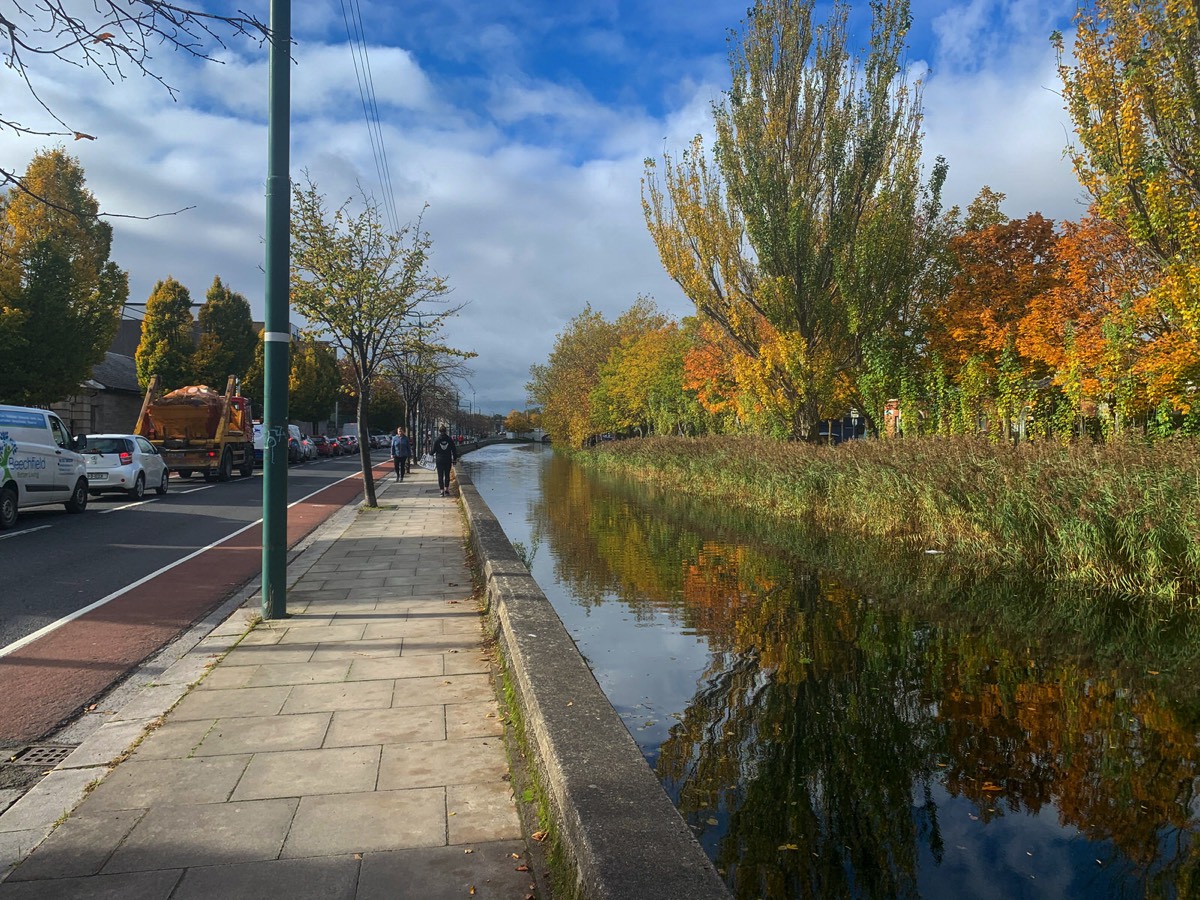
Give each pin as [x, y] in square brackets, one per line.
[844, 720]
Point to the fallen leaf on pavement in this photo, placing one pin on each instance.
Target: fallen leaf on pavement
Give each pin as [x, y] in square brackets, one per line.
[538, 835]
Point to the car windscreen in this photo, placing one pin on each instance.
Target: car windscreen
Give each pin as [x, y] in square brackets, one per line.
[107, 445]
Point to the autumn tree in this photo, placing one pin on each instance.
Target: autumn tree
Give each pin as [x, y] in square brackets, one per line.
[167, 344]
[314, 381]
[641, 384]
[227, 336]
[60, 295]
[1133, 92]
[563, 387]
[518, 422]
[797, 240]
[361, 285]
[977, 329]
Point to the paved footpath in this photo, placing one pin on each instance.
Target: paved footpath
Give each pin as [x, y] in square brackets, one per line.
[352, 750]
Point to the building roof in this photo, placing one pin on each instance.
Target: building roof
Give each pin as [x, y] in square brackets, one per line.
[115, 373]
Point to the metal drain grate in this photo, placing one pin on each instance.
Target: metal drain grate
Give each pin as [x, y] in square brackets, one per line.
[42, 756]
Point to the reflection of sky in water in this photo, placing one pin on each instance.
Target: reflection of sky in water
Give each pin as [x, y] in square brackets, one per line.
[616, 642]
[651, 667]
[1014, 855]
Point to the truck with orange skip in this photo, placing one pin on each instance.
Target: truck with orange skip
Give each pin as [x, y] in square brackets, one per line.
[198, 430]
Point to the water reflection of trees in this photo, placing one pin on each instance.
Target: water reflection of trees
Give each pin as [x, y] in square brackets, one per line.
[827, 719]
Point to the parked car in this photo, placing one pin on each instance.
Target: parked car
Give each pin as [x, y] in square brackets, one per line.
[295, 451]
[351, 443]
[322, 444]
[124, 462]
[309, 448]
[335, 446]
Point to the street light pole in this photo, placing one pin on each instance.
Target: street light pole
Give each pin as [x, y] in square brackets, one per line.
[277, 336]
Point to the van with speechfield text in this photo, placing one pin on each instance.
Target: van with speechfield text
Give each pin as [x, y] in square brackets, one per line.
[40, 463]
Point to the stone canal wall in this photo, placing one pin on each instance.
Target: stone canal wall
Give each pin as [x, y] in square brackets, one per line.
[617, 830]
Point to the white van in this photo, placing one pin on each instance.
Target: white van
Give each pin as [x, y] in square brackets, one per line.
[39, 463]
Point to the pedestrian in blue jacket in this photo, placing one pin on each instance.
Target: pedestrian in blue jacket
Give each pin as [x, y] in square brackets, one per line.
[401, 451]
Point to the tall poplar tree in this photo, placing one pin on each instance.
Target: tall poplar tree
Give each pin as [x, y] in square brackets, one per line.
[60, 295]
[227, 337]
[799, 240]
[167, 345]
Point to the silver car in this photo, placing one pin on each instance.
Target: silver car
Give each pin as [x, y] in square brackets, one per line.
[124, 462]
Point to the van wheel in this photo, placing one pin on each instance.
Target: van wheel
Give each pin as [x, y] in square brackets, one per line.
[8, 508]
[138, 491]
[226, 471]
[162, 486]
[79, 497]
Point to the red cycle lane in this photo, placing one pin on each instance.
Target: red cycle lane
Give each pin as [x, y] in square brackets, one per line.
[53, 678]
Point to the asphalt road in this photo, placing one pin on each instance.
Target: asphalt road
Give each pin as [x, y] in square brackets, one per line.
[54, 563]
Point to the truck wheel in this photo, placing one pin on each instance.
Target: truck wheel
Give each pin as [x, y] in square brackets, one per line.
[79, 497]
[226, 471]
[184, 473]
[247, 468]
[8, 508]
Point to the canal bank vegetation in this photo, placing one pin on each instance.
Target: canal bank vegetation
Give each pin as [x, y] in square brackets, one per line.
[1032, 384]
[1120, 517]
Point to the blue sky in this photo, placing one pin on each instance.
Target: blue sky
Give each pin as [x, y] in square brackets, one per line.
[523, 125]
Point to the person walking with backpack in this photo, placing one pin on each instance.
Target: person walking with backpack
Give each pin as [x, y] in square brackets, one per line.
[444, 456]
[401, 451]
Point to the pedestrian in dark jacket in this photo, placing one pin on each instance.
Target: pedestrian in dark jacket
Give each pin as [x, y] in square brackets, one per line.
[444, 456]
[401, 451]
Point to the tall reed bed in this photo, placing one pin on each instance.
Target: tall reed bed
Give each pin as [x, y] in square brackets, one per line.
[1123, 516]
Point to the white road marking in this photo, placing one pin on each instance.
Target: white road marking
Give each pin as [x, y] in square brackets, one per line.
[26, 531]
[41, 632]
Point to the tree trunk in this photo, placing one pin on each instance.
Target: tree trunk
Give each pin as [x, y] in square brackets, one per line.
[364, 446]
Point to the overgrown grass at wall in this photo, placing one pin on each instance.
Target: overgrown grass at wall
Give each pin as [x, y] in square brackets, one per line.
[1123, 517]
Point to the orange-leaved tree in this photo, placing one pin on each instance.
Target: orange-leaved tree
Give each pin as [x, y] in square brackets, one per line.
[1133, 92]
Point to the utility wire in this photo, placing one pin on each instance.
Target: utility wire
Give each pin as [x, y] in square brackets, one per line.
[356, 36]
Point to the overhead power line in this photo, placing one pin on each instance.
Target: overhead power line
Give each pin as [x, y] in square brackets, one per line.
[356, 37]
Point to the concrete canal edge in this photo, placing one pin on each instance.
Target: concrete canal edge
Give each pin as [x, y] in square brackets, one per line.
[617, 830]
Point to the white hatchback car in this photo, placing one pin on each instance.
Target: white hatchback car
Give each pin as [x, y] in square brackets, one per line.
[124, 462]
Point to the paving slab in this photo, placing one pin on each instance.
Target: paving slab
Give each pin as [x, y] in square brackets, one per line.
[358, 727]
[322, 878]
[80, 846]
[56, 794]
[445, 763]
[106, 744]
[263, 734]
[490, 870]
[169, 837]
[141, 783]
[134, 886]
[301, 773]
[376, 820]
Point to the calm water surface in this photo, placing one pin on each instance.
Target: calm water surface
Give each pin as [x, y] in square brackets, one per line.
[868, 729]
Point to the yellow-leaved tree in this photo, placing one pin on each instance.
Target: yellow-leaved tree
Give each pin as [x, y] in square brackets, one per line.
[799, 239]
[1133, 92]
